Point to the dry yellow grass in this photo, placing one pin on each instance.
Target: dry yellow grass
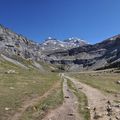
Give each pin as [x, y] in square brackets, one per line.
[15, 88]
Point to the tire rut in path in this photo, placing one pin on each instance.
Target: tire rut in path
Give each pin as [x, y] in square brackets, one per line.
[29, 103]
[69, 109]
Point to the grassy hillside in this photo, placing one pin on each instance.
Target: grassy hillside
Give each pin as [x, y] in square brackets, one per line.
[18, 85]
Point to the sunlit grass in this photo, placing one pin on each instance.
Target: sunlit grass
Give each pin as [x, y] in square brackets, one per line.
[24, 84]
[103, 81]
[52, 101]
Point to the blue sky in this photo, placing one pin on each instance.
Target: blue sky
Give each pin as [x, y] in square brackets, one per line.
[92, 20]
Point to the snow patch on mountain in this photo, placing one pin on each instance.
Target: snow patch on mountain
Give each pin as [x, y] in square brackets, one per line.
[54, 44]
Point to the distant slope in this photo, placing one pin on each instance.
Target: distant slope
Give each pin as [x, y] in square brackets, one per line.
[101, 55]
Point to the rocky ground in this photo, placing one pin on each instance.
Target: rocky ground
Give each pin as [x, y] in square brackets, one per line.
[101, 106]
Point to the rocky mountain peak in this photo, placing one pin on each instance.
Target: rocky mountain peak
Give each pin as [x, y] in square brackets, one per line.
[114, 37]
[50, 40]
[55, 44]
[75, 42]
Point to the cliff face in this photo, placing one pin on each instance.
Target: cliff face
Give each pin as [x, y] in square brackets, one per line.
[12, 44]
[99, 56]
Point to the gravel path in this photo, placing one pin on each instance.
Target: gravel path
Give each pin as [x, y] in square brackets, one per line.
[68, 111]
[101, 106]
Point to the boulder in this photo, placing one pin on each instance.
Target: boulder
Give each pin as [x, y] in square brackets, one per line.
[118, 82]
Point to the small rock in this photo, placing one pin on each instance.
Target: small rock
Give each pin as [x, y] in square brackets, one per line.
[109, 103]
[70, 114]
[10, 72]
[6, 108]
[68, 90]
[118, 105]
[94, 109]
[117, 118]
[80, 88]
[97, 116]
[76, 102]
[109, 110]
[118, 82]
[12, 88]
[88, 107]
[116, 95]
[66, 96]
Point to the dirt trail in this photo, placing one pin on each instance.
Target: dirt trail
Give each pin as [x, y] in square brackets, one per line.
[29, 103]
[97, 101]
[68, 111]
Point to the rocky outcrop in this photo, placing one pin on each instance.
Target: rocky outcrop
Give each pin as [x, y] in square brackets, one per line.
[12, 44]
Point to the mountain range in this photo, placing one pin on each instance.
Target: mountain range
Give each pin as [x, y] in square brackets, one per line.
[73, 54]
[53, 44]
